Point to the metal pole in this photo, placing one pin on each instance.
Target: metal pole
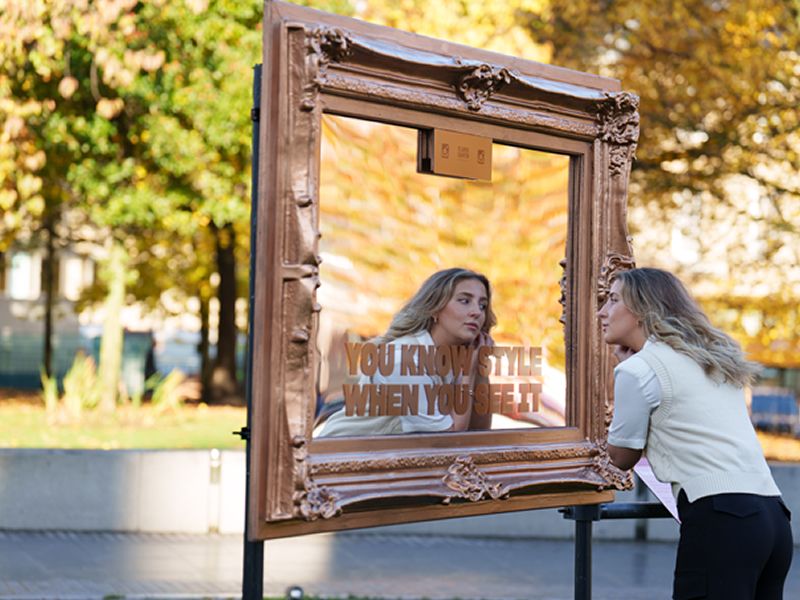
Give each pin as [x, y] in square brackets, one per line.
[583, 559]
[584, 515]
[640, 529]
[253, 567]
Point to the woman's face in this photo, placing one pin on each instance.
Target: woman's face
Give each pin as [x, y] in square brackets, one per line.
[462, 318]
[620, 326]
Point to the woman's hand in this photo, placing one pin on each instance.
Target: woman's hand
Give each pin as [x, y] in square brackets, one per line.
[623, 352]
[476, 421]
[482, 339]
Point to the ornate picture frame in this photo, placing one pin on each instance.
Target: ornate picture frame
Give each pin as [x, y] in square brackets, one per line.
[317, 63]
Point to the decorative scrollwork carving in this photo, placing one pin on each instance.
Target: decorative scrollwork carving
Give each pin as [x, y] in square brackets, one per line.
[478, 85]
[315, 502]
[330, 44]
[325, 45]
[469, 482]
[615, 477]
[426, 461]
[613, 263]
[562, 283]
[618, 114]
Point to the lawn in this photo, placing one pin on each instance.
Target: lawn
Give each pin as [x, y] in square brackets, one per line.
[24, 424]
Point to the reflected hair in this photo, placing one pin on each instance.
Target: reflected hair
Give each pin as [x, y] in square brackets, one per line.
[669, 314]
[433, 296]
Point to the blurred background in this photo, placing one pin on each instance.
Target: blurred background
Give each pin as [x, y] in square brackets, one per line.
[125, 141]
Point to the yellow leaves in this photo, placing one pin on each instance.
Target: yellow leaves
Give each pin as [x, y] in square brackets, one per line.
[493, 25]
[13, 128]
[36, 206]
[28, 185]
[114, 71]
[197, 6]
[7, 199]
[109, 10]
[109, 108]
[35, 161]
[67, 86]
[142, 59]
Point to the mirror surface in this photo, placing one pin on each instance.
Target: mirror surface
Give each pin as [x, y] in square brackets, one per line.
[385, 230]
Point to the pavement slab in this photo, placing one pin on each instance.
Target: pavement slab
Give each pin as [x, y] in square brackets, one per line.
[94, 566]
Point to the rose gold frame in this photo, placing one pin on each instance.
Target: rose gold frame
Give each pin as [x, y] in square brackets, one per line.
[315, 62]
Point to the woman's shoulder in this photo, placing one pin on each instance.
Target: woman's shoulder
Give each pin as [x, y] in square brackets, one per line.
[420, 338]
[636, 366]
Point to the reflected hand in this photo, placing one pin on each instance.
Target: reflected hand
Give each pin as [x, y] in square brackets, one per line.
[482, 339]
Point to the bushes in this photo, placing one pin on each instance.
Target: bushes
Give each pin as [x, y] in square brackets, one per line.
[81, 391]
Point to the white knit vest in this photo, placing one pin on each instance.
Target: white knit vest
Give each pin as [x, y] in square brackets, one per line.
[700, 437]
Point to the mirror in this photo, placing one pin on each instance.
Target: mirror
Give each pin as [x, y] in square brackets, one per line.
[386, 229]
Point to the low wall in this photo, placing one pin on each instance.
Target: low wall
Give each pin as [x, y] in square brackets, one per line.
[201, 491]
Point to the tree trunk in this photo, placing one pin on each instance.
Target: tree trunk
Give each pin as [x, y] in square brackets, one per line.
[114, 275]
[223, 378]
[203, 349]
[49, 294]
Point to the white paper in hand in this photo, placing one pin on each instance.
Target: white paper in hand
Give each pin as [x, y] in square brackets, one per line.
[661, 490]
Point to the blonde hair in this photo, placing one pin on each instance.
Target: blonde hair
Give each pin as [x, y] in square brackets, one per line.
[669, 314]
[433, 296]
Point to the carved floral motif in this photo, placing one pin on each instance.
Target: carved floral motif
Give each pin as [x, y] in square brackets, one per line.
[477, 86]
[330, 44]
[618, 114]
[316, 502]
[469, 482]
[615, 477]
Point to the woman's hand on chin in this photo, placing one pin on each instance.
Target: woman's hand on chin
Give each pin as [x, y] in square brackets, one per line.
[623, 352]
[482, 339]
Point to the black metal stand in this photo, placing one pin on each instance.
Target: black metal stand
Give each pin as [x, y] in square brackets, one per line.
[584, 516]
[253, 571]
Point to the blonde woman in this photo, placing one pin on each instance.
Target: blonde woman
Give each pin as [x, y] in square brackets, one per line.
[452, 308]
[679, 398]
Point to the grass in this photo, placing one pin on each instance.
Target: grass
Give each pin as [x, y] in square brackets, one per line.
[24, 424]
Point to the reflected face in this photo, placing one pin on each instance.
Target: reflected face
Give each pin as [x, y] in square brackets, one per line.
[462, 318]
[619, 324]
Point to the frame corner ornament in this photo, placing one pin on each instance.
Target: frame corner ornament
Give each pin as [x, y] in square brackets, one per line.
[316, 502]
[615, 477]
[618, 116]
[614, 263]
[469, 482]
[330, 44]
[478, 85]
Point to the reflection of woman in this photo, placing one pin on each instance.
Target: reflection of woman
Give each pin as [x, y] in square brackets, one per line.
[679, 397]
[453, 307]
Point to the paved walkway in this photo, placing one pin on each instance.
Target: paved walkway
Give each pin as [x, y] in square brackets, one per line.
[96, 565]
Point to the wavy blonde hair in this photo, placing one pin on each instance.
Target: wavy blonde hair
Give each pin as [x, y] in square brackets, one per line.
[433, 296]
[669, 314]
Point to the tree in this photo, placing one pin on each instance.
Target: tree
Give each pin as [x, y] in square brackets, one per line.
[121, 114]
[719, 152]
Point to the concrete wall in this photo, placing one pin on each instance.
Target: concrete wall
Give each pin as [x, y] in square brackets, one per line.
[200, 491]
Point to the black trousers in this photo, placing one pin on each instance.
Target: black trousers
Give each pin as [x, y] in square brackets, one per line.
[732, 547]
